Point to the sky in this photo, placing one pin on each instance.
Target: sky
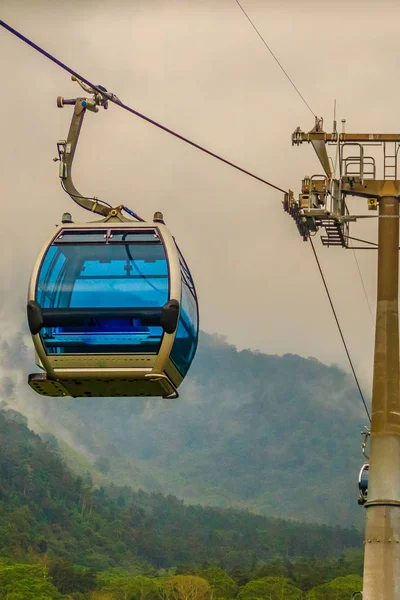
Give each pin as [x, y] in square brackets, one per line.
[199, 68]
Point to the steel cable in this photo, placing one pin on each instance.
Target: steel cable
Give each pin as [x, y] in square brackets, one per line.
[117, 101]
[340, 329]
[275, 58]
[310, 238]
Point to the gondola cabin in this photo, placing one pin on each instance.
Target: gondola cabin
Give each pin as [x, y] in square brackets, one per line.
[113, 311]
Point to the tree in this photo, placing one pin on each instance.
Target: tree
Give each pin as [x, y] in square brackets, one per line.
[144, 588]
[102, 464]
[340, 588]
[69, 578]
[221, 584]
[353, 561]
[123, 587]
[186, 587]
[26, 582]
[270, 588]
[106, 580]
[42, 546]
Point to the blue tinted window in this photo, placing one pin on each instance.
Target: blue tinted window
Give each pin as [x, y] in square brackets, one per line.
[68, 236]
[71, 236]
[52, 270]
[185, 344]
[104, 275]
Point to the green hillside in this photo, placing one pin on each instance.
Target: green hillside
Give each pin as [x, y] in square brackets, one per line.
[278, 435]
[46, 510]
[77, 536]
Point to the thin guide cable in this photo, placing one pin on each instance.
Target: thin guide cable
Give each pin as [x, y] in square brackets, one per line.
[310, 238]
[340, 329]
[275, 58]
[362, 283]
[117, 101]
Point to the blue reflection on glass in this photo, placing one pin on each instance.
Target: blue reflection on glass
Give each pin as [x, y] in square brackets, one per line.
[104, 275]
[185, 343]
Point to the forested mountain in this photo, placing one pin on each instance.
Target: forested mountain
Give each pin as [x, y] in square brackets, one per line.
[80, 537]
[279, 435]
[46, 509]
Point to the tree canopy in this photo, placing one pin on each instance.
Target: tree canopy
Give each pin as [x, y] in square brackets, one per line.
[340, 588]
[270, 588]
[26, 582]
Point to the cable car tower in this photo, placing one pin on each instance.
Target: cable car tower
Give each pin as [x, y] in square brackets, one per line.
[322, 205]
[112, 307]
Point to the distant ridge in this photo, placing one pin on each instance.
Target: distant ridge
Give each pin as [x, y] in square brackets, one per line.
[278, 435]
[45, 511]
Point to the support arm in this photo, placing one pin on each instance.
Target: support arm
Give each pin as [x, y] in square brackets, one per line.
[66, 152]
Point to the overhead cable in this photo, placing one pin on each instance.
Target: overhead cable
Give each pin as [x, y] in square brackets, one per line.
[363, 284]
[276, 58]
[374, 244]
[117, 101]
[310, 238]
[351, 245]
[340, 329]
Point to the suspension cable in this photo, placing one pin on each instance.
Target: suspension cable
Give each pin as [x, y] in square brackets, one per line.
[275, 58]
[112, 98]
[362, 283]
[310, 238]
[339, 329]
[117, 101]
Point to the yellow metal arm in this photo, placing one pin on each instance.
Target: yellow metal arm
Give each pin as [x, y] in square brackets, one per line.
[66, 149]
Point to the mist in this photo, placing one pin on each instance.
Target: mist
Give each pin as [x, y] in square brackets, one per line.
[199, 68]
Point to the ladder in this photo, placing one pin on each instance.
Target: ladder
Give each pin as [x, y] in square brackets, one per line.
[390, 160]
[335, 233]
